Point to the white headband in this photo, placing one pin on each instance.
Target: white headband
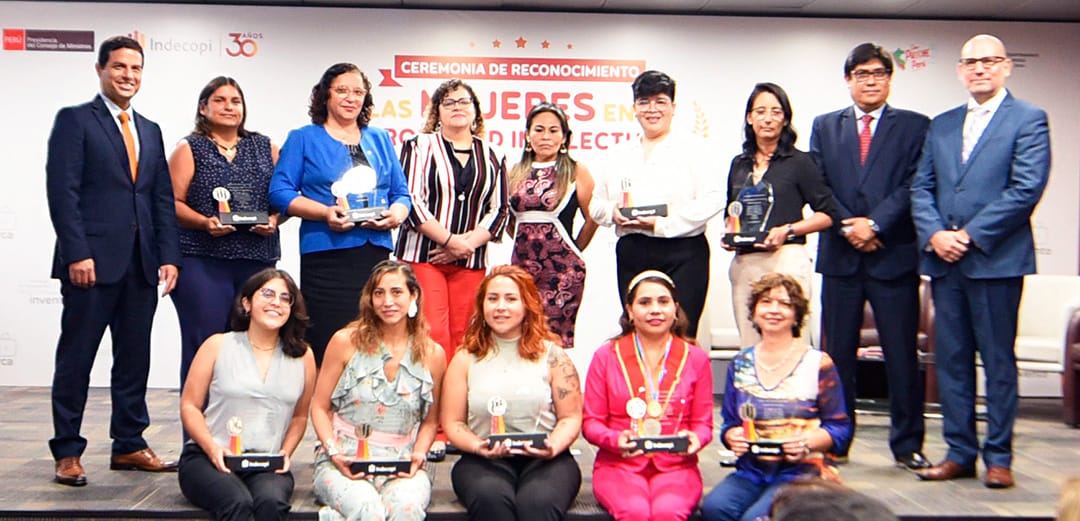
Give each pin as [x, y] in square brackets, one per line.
[648, 274]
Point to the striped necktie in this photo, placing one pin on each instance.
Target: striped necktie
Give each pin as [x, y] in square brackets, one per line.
[864, 138]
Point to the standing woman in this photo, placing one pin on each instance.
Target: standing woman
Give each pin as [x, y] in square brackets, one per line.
[260, 377]
[547, 189]
[384, 371]
[336, 255]
[458, 184]
[769, 156]
[219, 153]
[783, 390]
[512, 374]
[650, 368]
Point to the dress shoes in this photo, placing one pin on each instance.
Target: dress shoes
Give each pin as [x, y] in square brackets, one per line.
[144, 460]
[913, 461]
[999, 477]
[69, 471]
[944, 471]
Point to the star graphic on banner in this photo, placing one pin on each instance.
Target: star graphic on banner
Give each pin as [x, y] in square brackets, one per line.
[496, 44]
[545, 44]
[521, 41]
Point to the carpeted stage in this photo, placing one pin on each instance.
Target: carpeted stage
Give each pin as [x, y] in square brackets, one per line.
[1046, 452]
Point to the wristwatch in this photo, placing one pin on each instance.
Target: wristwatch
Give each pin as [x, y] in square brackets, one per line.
[331, 449]
[873, 226]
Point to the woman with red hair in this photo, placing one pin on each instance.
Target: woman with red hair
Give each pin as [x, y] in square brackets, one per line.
[512, 377]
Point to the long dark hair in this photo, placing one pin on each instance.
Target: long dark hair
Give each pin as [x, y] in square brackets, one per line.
[292, 333]
[679, 328]
[564, 164]
[368, 327]
[431, 124]
[787, 133]
[202, 125]
[320, 93]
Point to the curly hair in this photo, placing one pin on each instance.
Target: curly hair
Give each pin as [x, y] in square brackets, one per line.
[431, 124]
[799, 303]
[534, 326]
[564, 164]
[202, 125]
[292, 333]
[367, 327]
[681, 326]
[320, 93]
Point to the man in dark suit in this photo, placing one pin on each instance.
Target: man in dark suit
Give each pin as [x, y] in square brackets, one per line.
[983, 170]
[868, 153]
[111, 203]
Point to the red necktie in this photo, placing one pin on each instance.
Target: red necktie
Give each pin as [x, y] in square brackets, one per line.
[864, 138]
[129, 144]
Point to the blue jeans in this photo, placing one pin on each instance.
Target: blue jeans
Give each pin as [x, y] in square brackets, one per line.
[738, 499]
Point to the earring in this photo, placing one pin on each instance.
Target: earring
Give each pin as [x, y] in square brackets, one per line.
[528, 146]
[247, 312]
[562, 149]
[438, 126]
[412, 309]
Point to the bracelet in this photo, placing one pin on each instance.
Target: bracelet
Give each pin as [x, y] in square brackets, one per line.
[447, 241]
[331, 449]
[790, 230]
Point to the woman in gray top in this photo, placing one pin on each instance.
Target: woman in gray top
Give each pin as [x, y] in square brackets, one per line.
[248, 391]
[511, 377]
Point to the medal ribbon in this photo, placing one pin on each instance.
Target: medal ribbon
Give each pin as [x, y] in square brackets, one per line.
[627, 354]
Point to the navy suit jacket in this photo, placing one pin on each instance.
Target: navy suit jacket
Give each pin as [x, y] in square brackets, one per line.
[96, 210]
[991, 196]
[878, 189]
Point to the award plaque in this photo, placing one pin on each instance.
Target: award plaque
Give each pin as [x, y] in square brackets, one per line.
[255, 462]
[237, 206]
[767, 448]
[356, 192]
[516, 440]
[380, 467]
[748, 216]
[630, 211]
[663, 444]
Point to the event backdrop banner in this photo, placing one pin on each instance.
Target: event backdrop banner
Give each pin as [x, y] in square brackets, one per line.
[583, 62]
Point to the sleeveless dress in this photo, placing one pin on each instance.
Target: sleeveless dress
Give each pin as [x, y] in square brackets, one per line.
[544, 246]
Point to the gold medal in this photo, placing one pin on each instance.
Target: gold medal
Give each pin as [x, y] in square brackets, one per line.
[636, 408]
[655, 409]
[651, 427]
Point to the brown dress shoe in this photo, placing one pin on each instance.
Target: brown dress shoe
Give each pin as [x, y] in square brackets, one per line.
[999, 477]
[144, 460]
[69, 471]
[946, 470]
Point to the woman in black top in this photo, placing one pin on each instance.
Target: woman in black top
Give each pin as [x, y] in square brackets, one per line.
[770, 160]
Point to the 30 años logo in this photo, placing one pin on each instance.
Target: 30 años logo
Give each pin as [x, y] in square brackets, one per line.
[243, 44]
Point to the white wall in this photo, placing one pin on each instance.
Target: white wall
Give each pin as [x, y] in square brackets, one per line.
[715, 60]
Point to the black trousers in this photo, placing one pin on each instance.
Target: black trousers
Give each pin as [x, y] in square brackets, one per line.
[517, 488]
[331, 282]
[260, 496]
[684, 259]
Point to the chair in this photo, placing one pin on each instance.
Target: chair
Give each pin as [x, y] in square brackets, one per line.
[1071, 377]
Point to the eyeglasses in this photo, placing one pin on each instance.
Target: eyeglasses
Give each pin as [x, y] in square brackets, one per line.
[270, 294]
[461, 102]
[658, 104]
[986, 61]
[864, 75]
[344, 92]
[762, 112]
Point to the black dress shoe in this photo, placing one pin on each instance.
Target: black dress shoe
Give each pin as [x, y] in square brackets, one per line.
[913, 461]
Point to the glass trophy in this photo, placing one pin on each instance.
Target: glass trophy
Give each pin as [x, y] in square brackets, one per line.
[497, 407]
[748, 215]
[237, 205]
[649, 435]
[356, 192]
[240, 461]
[767, 426]
[364, 463]
[630, 211]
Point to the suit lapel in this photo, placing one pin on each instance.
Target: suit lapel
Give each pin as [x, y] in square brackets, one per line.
[112, 132]
[1000, 115]
[881, 136]
[849, 138]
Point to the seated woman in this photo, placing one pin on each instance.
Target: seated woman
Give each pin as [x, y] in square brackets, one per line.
[259, 378]
[382, 371]
[511, 377]
[653, 372]
[783, 396]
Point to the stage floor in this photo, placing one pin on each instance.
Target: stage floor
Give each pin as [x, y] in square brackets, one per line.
[1046, 452]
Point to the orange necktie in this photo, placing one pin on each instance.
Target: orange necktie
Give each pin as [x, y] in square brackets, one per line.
[129, 143]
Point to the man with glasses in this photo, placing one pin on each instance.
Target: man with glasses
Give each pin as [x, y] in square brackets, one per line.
[669, 187]
[868, 153]
[111, 203]
[983, 170]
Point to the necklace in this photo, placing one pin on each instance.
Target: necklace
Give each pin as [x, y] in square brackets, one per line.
[228, 150]
[258, 347]
[465, 151]
[772, 368]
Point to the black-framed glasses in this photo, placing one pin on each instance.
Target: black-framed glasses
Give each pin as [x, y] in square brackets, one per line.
[460, 102]
[986, 61]
[269, 294]
[864, 75]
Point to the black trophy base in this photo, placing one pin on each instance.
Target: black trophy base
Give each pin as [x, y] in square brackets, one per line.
[677, 444]
[243, 218]
[744, 239]
[633, 212]
[255, 462]
[519, 440]
[371, 213]
[380, 467]
[767, 448]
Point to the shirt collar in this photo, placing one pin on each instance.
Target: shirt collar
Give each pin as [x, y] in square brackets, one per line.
[991, 104]
[115, 109]
[876, 113]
